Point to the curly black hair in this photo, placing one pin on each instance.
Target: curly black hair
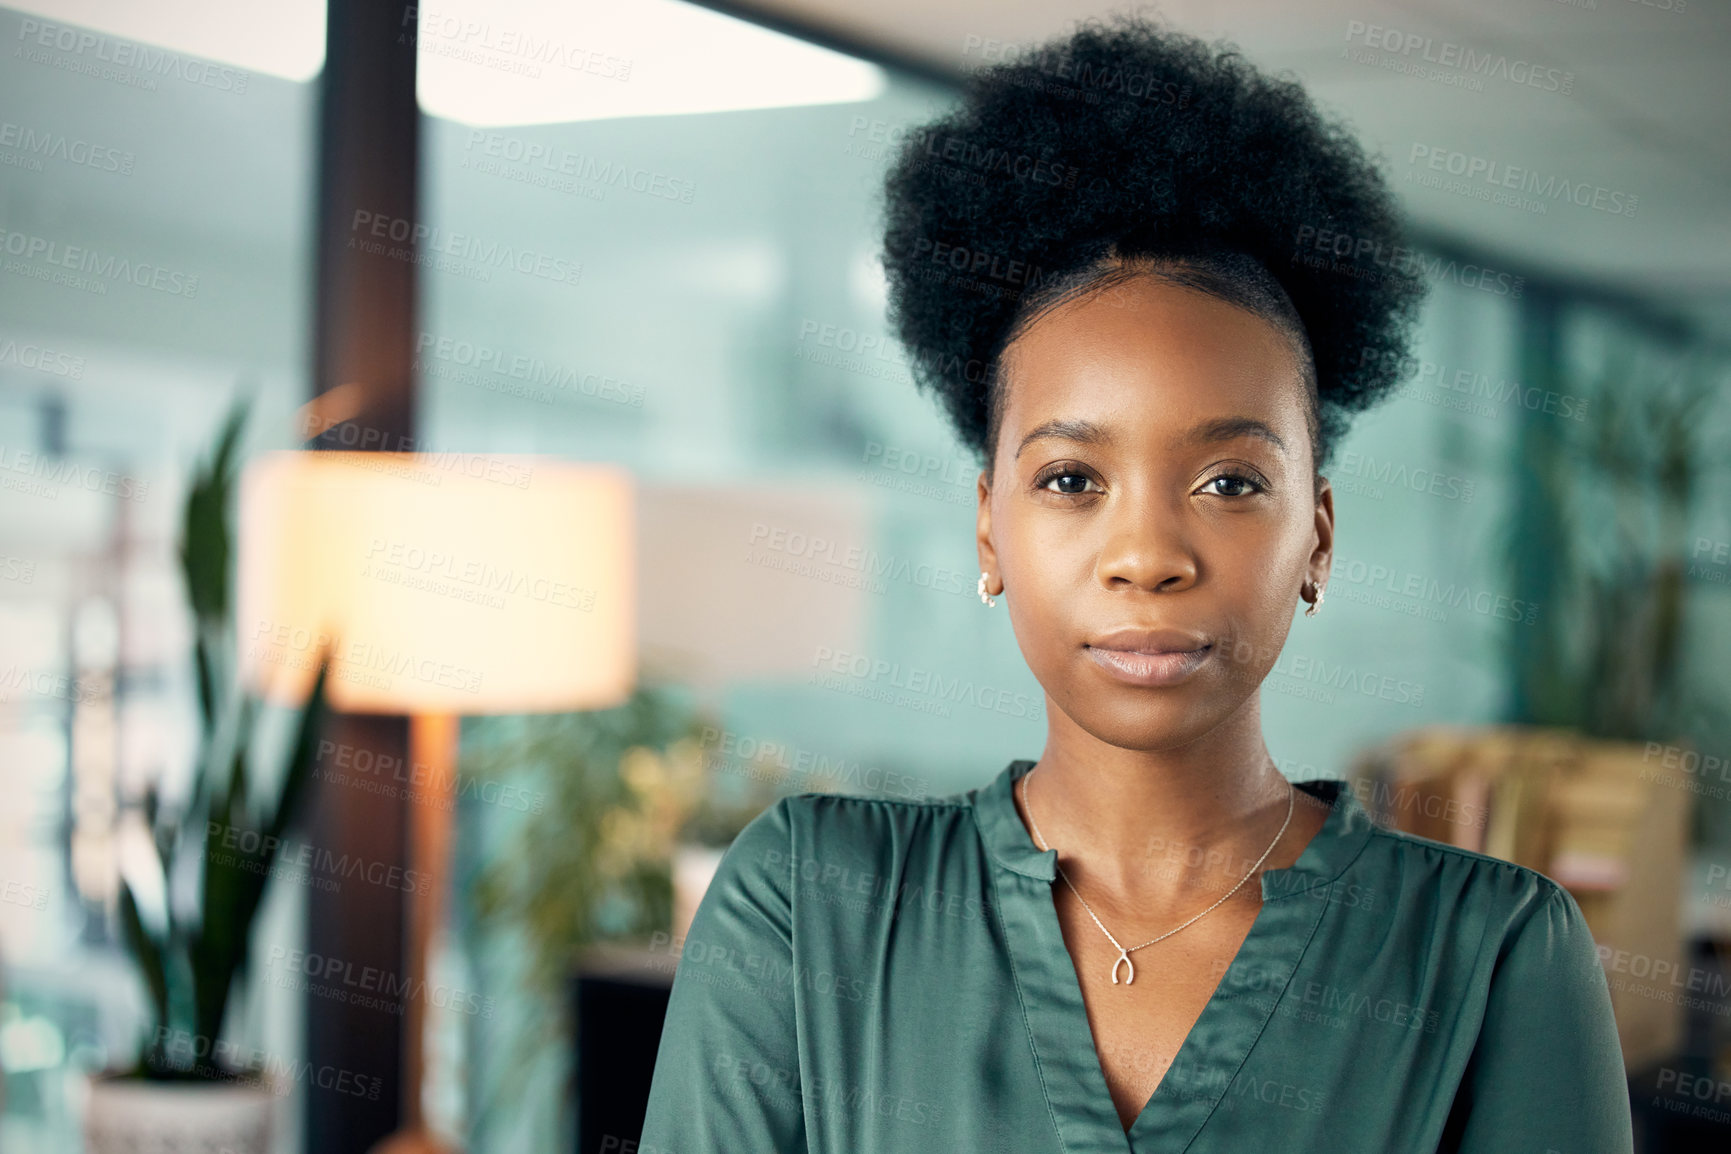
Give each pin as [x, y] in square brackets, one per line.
[1129, 148]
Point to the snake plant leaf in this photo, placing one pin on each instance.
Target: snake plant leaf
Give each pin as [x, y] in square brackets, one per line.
[146, 951]
[301, 754]
[205, 547]
[193, 968]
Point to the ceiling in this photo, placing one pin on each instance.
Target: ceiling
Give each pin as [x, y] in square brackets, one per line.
[1645, 118]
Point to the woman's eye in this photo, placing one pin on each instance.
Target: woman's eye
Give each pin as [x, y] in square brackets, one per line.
[1071, 483]
[1247, 486]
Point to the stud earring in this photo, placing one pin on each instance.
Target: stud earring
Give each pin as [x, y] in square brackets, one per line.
[1315, 605]
[984, 596]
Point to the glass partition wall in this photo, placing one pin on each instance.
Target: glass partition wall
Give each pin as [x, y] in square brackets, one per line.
[156, 188]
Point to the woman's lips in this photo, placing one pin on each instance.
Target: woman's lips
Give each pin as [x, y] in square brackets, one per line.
[1139, 668]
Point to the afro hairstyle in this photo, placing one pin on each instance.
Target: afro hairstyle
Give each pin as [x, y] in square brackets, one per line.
[1128, 148]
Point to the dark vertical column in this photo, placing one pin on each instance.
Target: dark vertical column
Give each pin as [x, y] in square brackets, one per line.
[363, 387]
[354, 1051]
[369, 130]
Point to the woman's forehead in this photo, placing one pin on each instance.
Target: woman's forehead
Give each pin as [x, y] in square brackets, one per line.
[1158, 354]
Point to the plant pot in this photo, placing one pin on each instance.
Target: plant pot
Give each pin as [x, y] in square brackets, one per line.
[134, 1115]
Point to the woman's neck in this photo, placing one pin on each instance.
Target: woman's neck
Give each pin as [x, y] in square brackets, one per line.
[1152, 827]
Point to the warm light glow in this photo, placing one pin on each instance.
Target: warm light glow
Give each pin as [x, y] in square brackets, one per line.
[455, 583]
[284, 38]
[499, 62]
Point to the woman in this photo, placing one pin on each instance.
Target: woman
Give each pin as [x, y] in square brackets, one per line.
[1108, 264]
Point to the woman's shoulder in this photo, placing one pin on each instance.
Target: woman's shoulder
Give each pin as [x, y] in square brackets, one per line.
[842, 827]
[1465, 879]
[842, 817]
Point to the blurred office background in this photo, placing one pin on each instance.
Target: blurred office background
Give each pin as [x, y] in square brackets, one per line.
[691, 196]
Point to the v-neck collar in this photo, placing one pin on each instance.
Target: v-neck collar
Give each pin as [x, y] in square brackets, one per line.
[1234, 1017]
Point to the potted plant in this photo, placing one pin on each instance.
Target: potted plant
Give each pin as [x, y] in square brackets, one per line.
[1600, 539]
[190, 935]
[623, 801]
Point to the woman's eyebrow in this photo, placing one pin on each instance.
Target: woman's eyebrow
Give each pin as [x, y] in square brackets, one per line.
[1083, 432]
[1086, 432]
[1227, 428]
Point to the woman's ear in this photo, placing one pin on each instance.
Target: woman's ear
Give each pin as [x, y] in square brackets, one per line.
[983, 536]
[1322, 553]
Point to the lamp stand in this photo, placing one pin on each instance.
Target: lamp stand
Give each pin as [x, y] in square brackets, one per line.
[433, 748]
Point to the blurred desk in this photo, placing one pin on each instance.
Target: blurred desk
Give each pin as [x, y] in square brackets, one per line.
[618, 1004]
[1607, 820]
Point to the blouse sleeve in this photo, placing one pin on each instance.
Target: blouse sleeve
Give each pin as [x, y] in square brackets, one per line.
[726, 1074]
[1547, 1071]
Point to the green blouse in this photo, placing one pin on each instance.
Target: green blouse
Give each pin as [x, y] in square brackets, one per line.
[871, 976]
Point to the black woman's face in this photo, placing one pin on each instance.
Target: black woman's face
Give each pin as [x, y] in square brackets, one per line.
[1153, 474]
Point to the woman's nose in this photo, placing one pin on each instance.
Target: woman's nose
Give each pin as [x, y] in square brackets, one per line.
[1144, 547]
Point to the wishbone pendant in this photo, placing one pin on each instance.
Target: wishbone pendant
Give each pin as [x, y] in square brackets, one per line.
[1123, 960]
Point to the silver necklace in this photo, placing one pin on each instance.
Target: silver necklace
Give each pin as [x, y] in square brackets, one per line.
[1124, 954]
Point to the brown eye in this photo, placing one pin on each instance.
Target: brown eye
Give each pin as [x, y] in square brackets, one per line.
[1247, 485]
[1070, 482]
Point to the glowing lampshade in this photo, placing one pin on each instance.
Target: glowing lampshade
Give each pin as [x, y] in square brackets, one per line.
[444, 583]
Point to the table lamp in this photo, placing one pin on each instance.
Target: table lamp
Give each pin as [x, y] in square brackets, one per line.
[444, 584]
